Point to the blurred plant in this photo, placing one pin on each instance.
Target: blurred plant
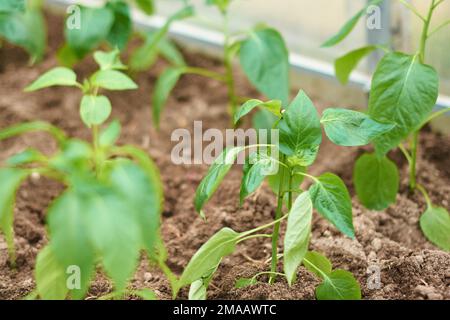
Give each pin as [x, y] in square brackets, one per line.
[404, 91]
[300, 137]
[22, 23]
[110, 209]
[263, 57]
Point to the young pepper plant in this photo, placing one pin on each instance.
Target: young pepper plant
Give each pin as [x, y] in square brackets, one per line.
[285, 166]
[404, 91]
[22, 23]
[110, 208]
[263, 57]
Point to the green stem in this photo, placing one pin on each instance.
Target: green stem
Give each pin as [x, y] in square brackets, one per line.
[435, 115]
[95, 143]
[206, 73]
[413, 163]
[425, 195]
[276, 228]
[228, 61]
[412, 9]
[259, 235]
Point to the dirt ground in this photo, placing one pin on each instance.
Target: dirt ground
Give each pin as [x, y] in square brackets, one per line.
[388, 242]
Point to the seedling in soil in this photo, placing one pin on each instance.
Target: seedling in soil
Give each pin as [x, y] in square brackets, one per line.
[404, 92]
[110, 208]
[285, 167]
[22, 23]
[263, 57]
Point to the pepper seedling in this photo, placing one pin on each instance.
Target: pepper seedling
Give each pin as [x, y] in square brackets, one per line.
[22, 24]
[110, 208]
[263, 57]
[285, 165]
[404, 91]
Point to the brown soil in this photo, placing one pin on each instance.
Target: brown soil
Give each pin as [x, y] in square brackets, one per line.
[411, 268]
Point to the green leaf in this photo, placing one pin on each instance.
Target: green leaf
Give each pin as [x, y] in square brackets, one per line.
[209, 255]
[66, 56]
[146, 294]
[50, 276]
[146, 5]
[318, 264]
[274, 106]
[339, 285]
[26, 29]
[274, 181]
[170, 52]
[435, 224]
[265, 60]
[143, 197]
[403, 92]
[109, 136]
[109, 60]
[94, 110]
[197, 291]
[300, 131]
[257, 167]
[58, 76]
[70, 243]
[95, 27]
[344, 65]
[74, 158]
[352, 128]
[215, 175]
[114, 231]
[27, 156]
[221, 4]
[112, 80]
[11, 179]
[376, 181]
[10, 6]
[164, 85]
[245, 282]
[332, 200]
[349, 26]
[122, 26]
[297, 235]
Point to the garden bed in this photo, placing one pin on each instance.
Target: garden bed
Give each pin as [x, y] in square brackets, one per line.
[388, 241]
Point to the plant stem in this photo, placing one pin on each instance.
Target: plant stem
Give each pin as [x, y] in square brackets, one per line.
[229, 77]
[276, 228]
[206, 73]
[425, 195]
[259, 235]
[95, 143]
[422, 54]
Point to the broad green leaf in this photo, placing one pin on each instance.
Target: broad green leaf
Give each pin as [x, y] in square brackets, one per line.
[146, 6]
[170, 52]
[50, 276]
[349, 26]
[214, 177]
[221, 4]
[74, 158]
[332, 200]
[143, 199]
[376, 181]
[435, 224]
[109, 60]
[344, 65]
[339, 285]
[265, 60]
[245, 282]
[274, 106]
[114, 231]
[197, 291]
[300, 131]
[112, 80]
[109, 136]
[70, 241]
[209, 255]
[27, 156]
[297, 235]
[318, 264]
[403, 92]
[257, 167]
[11, 179]
[67, 57]
[11, 6]
[26, 30]
[122, 26]
[146, 294]
[94, 28]
[94, 110]
[164, 85]
[265, 120]
[58, 76]
[352, 128]
[34, 126]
